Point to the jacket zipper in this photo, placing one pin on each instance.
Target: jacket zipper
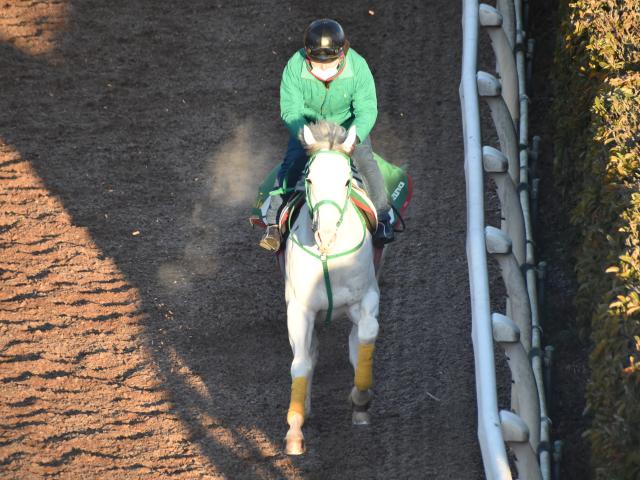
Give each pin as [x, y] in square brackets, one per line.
[324, 100]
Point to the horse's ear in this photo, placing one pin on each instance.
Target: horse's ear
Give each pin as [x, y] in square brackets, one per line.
[308, 136]
[351, 139]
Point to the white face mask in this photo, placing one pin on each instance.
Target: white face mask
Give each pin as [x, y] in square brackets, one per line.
[324, 74]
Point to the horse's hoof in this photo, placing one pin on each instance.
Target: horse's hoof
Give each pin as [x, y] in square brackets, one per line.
[360, 403]
[361, 418]
[294, 445]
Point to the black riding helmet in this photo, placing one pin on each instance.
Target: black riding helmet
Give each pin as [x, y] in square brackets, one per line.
[324, 40]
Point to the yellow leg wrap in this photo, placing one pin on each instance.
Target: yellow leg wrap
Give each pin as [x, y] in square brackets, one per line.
[298, 396]
[363, 379]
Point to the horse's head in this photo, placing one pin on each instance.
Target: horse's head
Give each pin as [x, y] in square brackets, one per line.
[328, 178]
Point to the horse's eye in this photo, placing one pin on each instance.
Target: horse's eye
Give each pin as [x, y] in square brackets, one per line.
[347, 184]
[308, 180]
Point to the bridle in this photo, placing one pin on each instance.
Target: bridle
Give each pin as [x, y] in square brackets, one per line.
[313, 213]
[315, 208]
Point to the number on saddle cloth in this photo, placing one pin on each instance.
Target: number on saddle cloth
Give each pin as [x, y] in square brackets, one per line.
[397, 183]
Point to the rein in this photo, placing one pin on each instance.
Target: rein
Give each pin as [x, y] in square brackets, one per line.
[323, 257]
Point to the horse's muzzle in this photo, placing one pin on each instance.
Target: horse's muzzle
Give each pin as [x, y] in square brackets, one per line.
[324, 242]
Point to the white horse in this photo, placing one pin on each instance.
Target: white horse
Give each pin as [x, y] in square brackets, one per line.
[329, 270]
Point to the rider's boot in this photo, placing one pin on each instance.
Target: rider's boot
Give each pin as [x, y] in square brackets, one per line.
[272, 238]
[384, 232]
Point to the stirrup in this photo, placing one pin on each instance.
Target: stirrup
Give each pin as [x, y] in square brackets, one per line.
[271, 238]
[384, 231]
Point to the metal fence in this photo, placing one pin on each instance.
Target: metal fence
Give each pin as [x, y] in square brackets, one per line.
[523, 425]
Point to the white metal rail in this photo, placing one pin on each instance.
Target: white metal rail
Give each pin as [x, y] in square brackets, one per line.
[523, 425]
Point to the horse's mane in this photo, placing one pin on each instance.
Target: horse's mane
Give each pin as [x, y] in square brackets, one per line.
[328, 135]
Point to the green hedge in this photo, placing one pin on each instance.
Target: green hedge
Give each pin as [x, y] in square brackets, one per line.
[597, 108]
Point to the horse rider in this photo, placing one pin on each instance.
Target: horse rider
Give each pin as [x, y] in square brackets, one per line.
[327, 80]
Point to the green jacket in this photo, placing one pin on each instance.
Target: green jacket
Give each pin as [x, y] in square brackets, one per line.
[348, 99]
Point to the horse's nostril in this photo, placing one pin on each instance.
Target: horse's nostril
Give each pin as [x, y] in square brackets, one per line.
[324, 242]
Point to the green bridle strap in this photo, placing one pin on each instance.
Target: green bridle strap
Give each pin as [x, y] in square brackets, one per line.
[342, 209]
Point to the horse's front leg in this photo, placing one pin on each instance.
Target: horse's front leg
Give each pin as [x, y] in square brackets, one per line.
[304, 346]
[361, 346]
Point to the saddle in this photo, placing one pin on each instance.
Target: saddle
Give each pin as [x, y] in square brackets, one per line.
[359, 199]
[397, 182]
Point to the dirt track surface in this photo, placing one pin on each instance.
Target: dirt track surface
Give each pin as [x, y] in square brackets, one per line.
[142, 332]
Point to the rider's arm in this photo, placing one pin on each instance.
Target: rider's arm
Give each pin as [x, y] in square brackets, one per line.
[365, 103]
[291, 99]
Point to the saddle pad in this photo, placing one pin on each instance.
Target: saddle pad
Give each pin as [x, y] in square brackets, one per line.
[397, 183]
[290, 211]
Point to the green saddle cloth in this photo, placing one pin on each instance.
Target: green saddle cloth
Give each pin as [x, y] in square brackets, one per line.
[397, 183]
